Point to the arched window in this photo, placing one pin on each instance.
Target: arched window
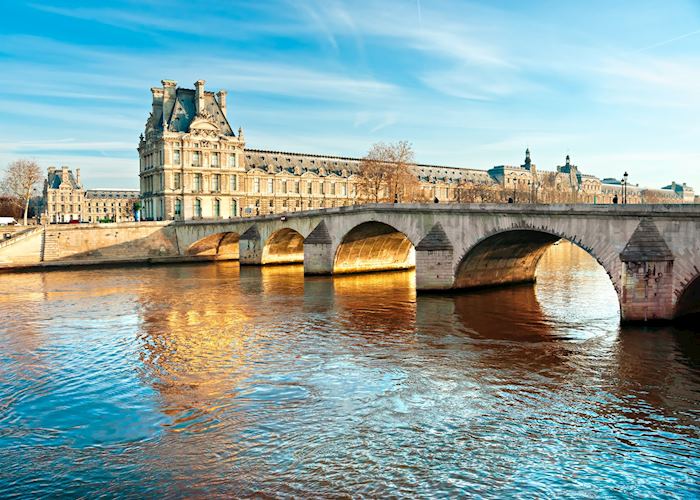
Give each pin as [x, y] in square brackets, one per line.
[198, 208]
[178, 208]
[217, 208]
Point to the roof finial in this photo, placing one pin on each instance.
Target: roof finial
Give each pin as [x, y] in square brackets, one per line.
[568, 160]
[240, 133]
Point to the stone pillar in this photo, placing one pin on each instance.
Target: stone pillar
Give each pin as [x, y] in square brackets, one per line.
[647, 276]
[318, 251]
[250, 247]
[434, 261]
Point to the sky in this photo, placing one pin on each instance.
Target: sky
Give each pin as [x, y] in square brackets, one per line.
[614, 84]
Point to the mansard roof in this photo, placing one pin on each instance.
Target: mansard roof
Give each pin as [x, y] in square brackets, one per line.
[111, 193]
[175, 110]
[183, 112]
[54, 179]
[313, 163]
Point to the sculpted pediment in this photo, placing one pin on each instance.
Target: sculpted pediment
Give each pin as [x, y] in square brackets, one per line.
[203, 124]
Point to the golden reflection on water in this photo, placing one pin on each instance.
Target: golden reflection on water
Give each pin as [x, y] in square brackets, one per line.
[260, 381]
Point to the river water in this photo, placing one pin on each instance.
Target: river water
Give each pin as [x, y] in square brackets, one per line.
[212, 380]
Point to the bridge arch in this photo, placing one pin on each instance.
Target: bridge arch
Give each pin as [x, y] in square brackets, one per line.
[218, 246]
[688, 303]
[284, 246]
[510, 256]
[374, 246]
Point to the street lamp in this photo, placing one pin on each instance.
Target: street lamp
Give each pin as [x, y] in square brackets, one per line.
[624, 187]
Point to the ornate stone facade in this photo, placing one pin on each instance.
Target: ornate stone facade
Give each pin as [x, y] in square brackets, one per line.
[193, 165]
[66, 200]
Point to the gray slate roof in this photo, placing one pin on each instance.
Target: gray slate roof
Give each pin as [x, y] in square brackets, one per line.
[180, 113]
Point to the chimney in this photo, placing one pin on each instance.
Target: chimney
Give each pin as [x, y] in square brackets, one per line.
[169, 91]
[199, 96]
[221, 96]
[157, 100]
[64, 174]
[52, 169]
[77, 176]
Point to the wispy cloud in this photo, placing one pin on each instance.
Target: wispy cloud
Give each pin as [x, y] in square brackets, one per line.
[469, 83]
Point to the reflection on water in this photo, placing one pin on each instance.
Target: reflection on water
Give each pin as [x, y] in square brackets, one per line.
[200, 380]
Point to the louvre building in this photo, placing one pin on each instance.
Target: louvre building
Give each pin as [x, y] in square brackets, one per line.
[194, 165]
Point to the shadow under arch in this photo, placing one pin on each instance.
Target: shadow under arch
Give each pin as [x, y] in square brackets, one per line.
[219, 246]
[509, 257]
[285, 246]
[688, 305]
[374, 246]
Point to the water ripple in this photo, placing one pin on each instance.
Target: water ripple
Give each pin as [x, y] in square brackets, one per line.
[216, 381]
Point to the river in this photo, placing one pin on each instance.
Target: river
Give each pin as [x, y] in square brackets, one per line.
[215, 380]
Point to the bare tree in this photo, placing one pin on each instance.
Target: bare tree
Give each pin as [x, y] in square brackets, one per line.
[387, 173]
[373, 174]
[21, 177]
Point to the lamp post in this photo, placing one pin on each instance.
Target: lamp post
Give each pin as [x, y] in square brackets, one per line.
[624, 187]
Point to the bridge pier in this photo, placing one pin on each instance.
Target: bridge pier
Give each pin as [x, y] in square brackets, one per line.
[434, 261]
[647, 276]
[318, 251]
[250, 247]
[647, 291]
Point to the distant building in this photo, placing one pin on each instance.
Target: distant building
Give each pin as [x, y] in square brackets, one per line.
[63, 195]
[193, 165]
[683, 191]
[113, 204]
[66, 200]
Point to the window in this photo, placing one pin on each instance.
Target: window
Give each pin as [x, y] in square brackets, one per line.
[217, 208]
[176, 157]
[215, 159]
[197, 186]
[195, 158]
[197, 207]
[216, 183]
[234, 208]
[332, 187]
[232, 161]
[256, 184]
[177, 180]
[284, 187]
[178, 207]
[343, 189]
[322, 185]
[309, 187]
[234, 183]
[270, 185]
[296, 186]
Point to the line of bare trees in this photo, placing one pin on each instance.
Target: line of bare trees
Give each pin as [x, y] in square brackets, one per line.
[17, 185]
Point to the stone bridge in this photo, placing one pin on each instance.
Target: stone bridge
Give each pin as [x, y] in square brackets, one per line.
[650, 252]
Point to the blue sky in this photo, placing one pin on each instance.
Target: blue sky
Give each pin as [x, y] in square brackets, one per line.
[614, 84]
